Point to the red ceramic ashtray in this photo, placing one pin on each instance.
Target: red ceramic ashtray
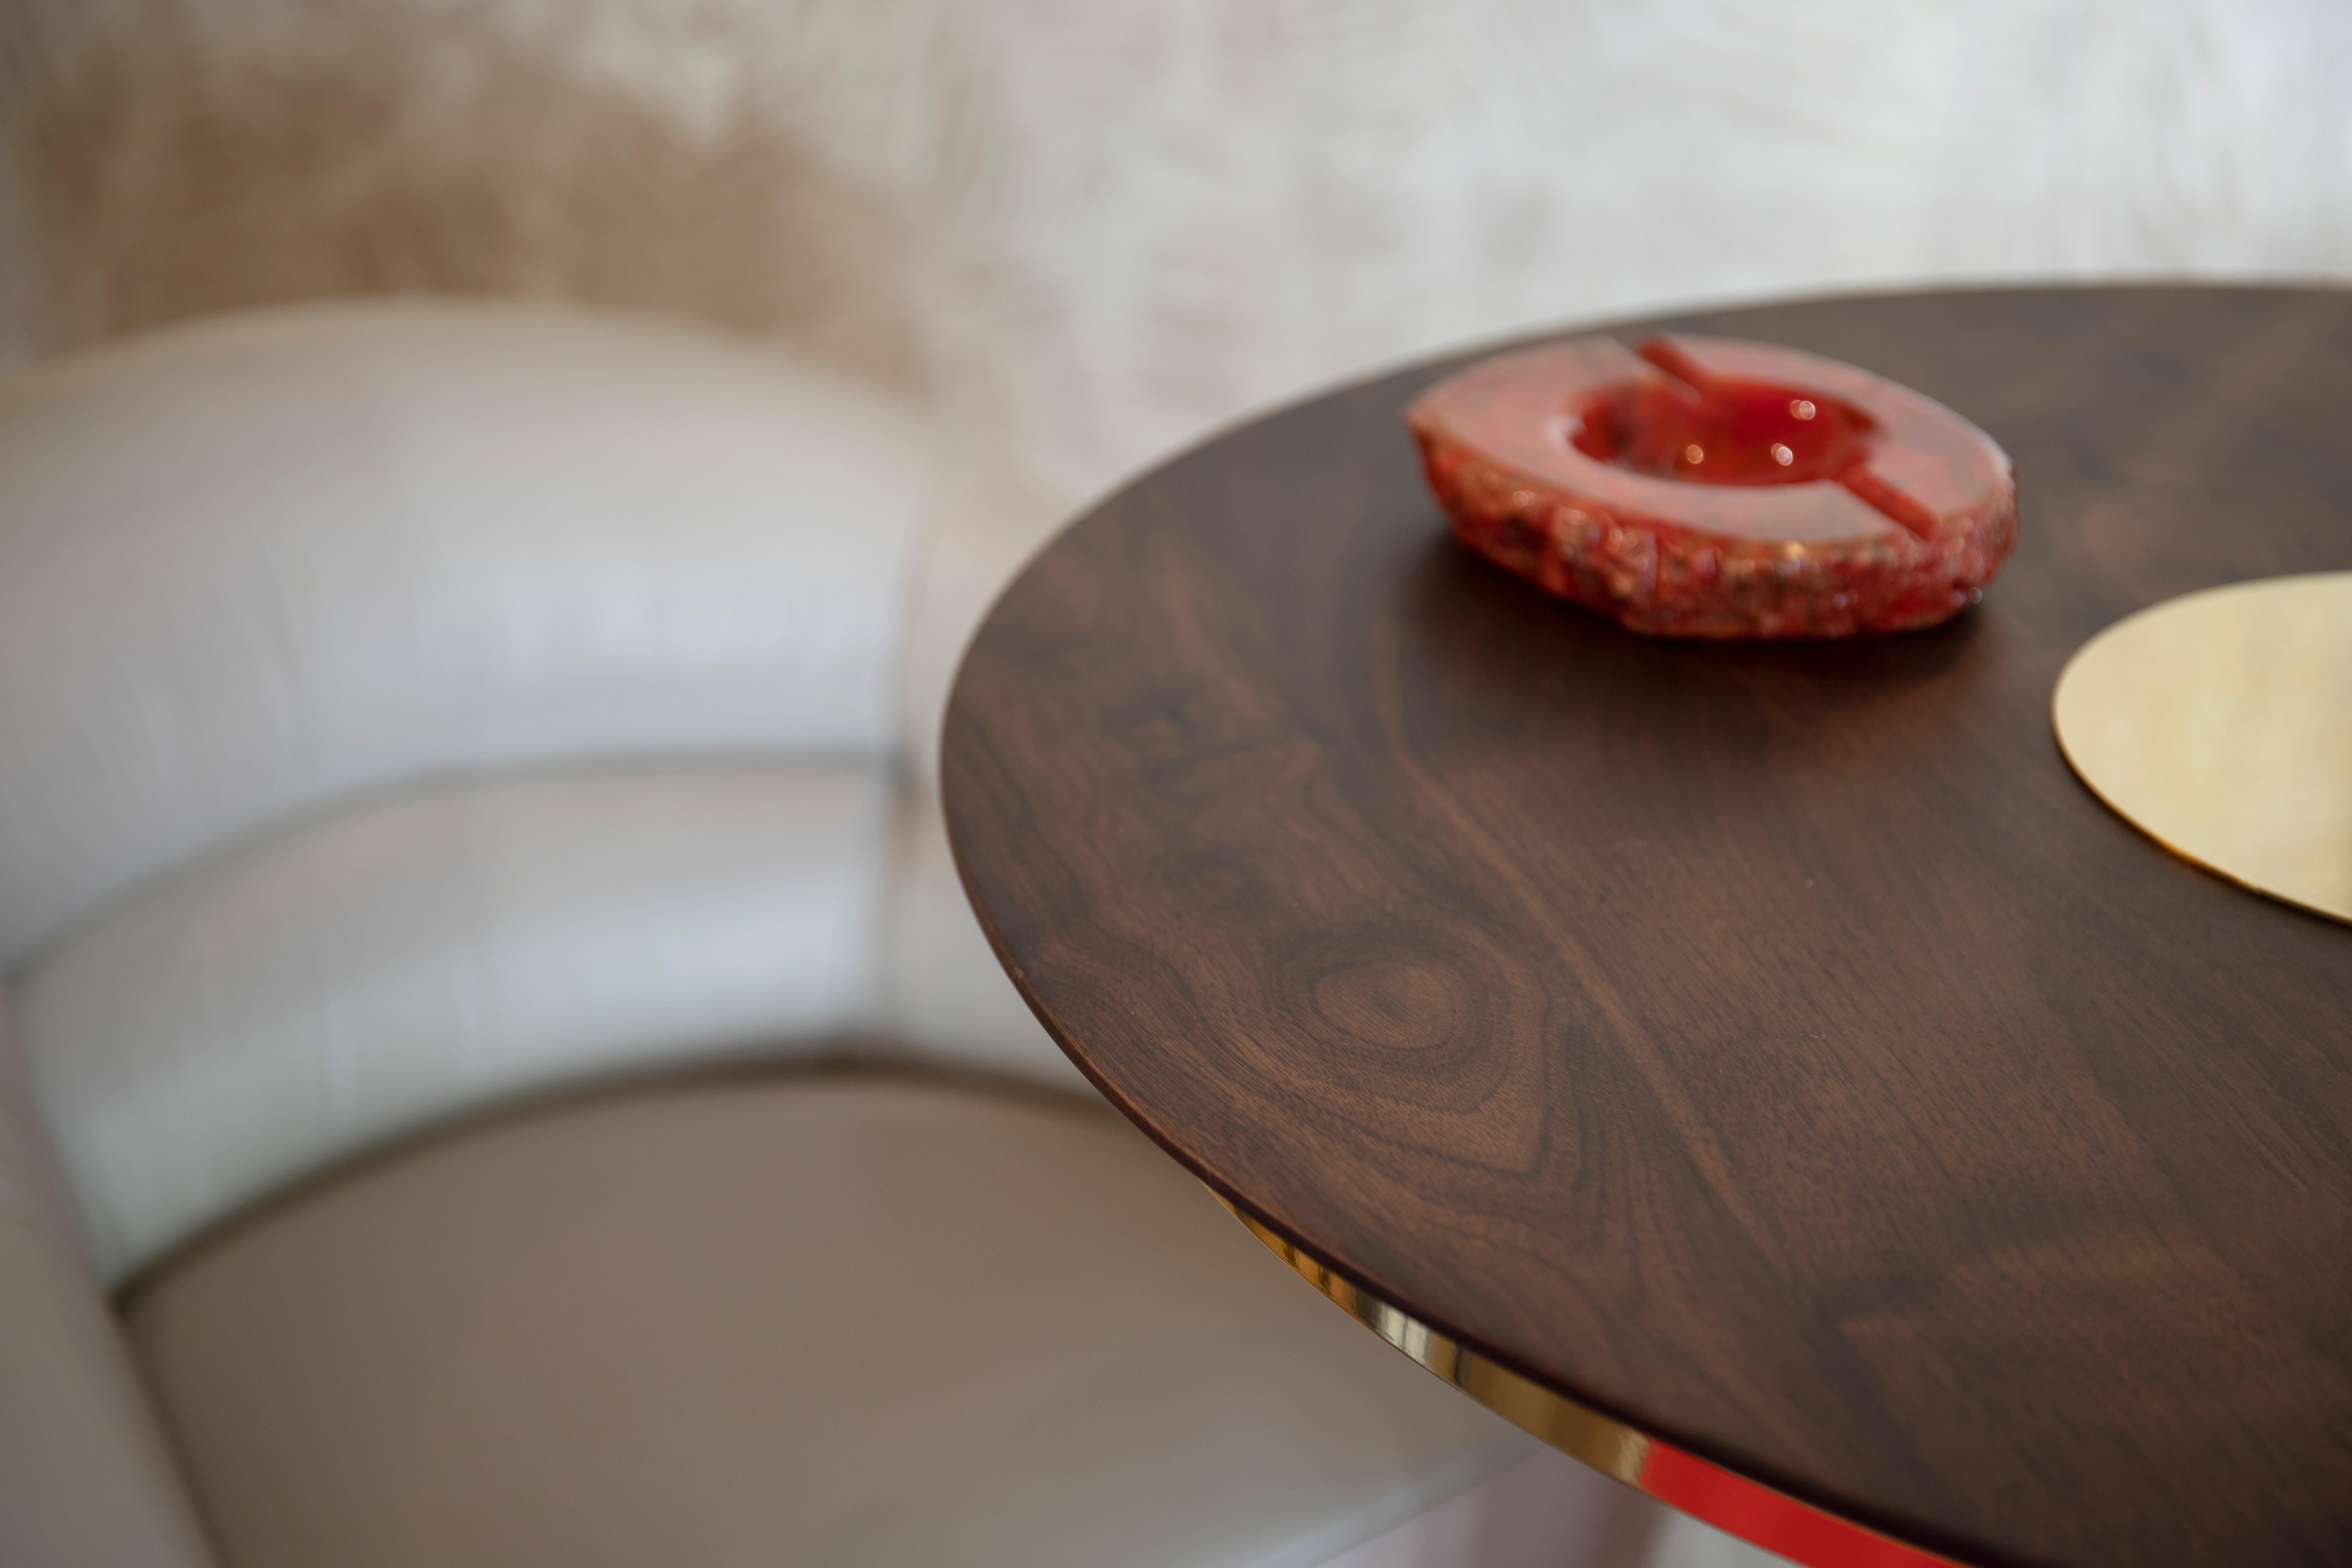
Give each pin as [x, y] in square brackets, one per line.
[1713, 487]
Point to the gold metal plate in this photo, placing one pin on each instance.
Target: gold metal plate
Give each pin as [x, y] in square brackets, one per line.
[2219, 724]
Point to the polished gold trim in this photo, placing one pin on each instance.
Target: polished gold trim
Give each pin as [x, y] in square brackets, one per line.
[1614, 1449]
[2219, 724]
[1731, 1502]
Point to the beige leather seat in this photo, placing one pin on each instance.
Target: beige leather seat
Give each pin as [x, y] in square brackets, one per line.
[409, 715]
[780, 1319]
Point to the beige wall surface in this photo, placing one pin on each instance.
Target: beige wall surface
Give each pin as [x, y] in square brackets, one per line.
[1087, 232]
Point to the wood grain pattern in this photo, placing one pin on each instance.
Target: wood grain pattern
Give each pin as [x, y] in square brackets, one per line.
[1772, 1046]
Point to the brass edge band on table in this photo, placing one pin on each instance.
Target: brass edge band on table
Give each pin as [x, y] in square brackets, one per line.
[1756, 1513]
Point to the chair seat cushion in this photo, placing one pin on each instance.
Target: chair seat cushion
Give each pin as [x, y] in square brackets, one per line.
[794, 1318]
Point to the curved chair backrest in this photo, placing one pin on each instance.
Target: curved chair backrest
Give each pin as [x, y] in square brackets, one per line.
[254, 566]
[403, 706]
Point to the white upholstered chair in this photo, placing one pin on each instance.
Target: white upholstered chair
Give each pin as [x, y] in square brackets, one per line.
[425, 732]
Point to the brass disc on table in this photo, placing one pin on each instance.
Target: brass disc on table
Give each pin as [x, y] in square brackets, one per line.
[2219, 724]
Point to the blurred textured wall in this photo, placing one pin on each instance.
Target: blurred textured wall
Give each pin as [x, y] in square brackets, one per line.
[1087, 229]
[177, 156]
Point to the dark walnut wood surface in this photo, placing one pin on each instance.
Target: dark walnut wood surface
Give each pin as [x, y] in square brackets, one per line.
[1771, 1046]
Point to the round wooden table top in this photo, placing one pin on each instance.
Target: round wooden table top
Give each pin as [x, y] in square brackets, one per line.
[1772, 1046]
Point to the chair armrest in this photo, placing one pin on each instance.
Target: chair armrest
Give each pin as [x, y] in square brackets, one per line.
[86, 1478]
